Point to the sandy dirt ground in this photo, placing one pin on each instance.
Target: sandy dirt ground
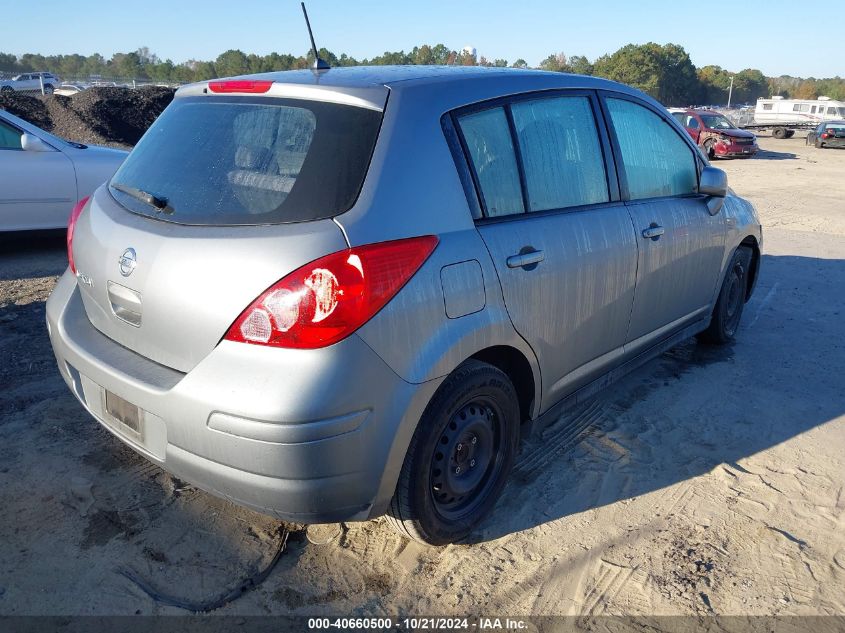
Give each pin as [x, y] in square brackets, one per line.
[708, 481]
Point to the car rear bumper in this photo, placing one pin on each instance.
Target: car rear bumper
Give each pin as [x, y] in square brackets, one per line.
[304, 435]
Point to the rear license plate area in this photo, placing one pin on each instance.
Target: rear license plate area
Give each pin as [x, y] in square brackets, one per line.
[126, 415]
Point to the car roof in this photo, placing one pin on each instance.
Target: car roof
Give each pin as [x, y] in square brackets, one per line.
[369, 76]
[368, 85]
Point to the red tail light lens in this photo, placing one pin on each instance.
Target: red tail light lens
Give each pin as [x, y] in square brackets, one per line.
[239, 86]
[325, 301]
[826, 135]
[71, 225]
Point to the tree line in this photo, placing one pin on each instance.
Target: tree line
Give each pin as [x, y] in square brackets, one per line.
[663, 71]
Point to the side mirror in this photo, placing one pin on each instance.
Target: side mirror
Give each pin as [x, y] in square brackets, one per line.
[713, 183]
[32, 143]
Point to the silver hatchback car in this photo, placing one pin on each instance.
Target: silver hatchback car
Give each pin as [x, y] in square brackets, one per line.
[334, 295]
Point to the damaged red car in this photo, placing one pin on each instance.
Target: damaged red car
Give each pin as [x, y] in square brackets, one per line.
[716, 135]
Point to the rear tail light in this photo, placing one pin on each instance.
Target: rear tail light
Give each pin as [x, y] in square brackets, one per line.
[71, 225]
[325, 301]
[239, 86]
[826, 135]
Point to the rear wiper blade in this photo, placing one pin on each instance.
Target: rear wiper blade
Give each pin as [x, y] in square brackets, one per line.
[157, 202]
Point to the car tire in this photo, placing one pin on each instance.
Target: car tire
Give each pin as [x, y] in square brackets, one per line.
[710, 149]
[459, 457]
[6, 89]
[732, 295]
[779, 133]
[819, 144]
[48, 89]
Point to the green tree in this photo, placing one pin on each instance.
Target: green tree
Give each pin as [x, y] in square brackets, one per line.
[556, 63]
[749, 85]
[664, 72]
[520, 63]
[8, 62]
[580, 65]
[231, 63]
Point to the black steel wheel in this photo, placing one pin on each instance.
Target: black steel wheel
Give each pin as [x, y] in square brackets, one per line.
[710, 149]
[732, 296]
[459, 457]
[468, 458]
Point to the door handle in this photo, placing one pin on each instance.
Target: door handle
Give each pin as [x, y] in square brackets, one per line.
[653, 232]
[524, 260]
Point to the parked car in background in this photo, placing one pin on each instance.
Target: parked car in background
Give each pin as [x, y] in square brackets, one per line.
[31, 81]
[829, 134]
[327, 304]
[43, 176]
[780, 110]
[68, 90]
[715, 134]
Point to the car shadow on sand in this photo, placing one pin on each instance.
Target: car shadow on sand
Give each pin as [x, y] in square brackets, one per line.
[28, 254]
[694, 407]
[765, 154]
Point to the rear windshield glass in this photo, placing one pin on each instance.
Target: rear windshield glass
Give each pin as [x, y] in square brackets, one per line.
[237, 160]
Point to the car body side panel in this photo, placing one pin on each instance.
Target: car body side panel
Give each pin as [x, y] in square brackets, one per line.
[416, 337]
[741, 222]
[94, 166]
[37, 190]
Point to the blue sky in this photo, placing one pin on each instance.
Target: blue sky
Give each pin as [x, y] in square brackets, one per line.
[747, 34]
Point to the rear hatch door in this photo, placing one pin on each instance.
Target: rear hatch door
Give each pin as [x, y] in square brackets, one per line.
[220, 199]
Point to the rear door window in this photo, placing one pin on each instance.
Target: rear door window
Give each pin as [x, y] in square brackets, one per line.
[561, 154]
[490, 145]
[237, 160]
[657, 162]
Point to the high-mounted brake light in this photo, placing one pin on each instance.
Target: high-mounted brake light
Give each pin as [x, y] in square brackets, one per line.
[71, 225]
[239, 86]
[325, 301]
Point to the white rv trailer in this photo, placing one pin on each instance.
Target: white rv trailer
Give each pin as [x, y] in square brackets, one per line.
[780, 110]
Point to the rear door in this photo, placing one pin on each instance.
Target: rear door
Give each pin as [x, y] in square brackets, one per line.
[680, 243]
[561, 240]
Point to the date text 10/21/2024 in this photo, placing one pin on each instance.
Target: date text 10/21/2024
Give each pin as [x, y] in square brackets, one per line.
[419, 624]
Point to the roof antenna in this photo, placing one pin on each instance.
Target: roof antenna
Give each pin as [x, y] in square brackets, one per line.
[319, 63]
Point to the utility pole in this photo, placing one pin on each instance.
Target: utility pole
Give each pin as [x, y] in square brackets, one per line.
[730, 92]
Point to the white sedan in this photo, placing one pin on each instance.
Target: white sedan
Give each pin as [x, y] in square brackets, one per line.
[43, 176]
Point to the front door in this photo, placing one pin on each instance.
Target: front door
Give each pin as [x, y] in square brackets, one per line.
[681, 245]
[560, 238]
